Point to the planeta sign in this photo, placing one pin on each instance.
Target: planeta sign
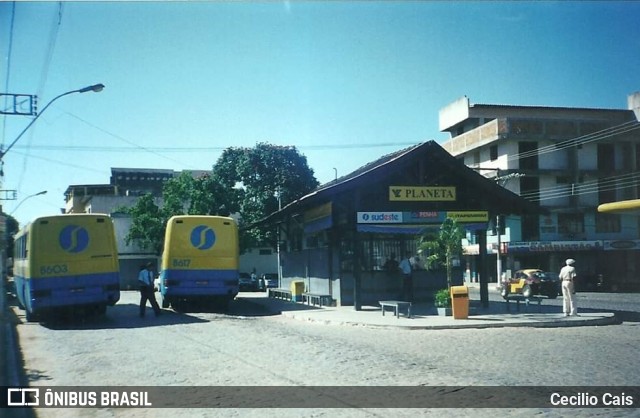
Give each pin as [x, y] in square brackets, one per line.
[422, 193]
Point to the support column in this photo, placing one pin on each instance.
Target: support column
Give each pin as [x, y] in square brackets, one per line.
[482, 267]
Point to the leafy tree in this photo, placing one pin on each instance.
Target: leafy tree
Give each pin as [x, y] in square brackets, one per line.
[13, 227]
[244, 180]
[443, 247]
[259, 176]
[182, 195]
[204, 195]
[176, 195]
[148, 224]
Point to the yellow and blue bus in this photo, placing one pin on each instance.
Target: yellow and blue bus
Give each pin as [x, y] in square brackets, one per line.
[199, 261]
[66, 261]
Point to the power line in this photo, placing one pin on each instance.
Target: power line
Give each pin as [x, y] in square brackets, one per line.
[94, 148]
[53, 37]
[65, 163]
[6, 82]
[603, 181]
[585, 139]
[120, 138]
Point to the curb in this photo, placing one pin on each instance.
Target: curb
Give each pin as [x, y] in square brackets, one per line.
[609, 319]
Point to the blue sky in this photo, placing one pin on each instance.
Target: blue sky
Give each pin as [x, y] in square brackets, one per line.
[345, 82]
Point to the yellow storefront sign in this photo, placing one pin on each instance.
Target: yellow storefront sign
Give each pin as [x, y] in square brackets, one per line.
[422, 194]
[469, 216]
[318, 212]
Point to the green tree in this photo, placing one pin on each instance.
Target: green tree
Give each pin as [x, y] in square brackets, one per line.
[176, 195]
[13, 227]
[443, 247]
[148, 224]
[203, 195]
[259, 176]
[244, 180]
[182, 195]
[209, 196]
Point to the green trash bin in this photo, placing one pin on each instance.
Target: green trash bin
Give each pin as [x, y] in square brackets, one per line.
[460, 302]
[297, 289]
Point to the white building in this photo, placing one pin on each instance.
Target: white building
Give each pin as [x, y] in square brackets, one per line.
[568, 160]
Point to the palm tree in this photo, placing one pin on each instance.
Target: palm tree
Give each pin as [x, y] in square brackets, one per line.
[443, 247]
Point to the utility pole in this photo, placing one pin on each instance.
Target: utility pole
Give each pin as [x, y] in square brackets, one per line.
[24, 105]
[19, 104]
[502, 181]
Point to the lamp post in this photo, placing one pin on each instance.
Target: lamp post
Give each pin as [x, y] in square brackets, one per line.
[95, 88]
[502, 180]
[279, 197]
[27, 198]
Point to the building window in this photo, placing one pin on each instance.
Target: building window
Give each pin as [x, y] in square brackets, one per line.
[528, 152]
[591, 127]
[607, 222]
[530, 188]
[570, 223]
[606, 158]
[346, 256]
[526, 127]
[493, 152]
[561, 128]
[606, 191]
[384, 249]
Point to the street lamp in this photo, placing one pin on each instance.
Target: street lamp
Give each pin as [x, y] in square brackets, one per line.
[26, 198]
[279, 197]
[95, 88]
[502, 180]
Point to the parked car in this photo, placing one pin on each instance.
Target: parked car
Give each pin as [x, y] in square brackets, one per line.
[246, 283]
[590, 282]
[268, 280]
[531, 282]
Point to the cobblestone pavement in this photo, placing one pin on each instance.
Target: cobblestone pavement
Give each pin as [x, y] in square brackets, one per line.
[252, 347]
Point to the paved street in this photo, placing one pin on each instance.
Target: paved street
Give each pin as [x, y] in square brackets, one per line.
[251, 346]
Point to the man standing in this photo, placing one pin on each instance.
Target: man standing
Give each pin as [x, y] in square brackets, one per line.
[147, 292]
[567, 274]
[407, 279]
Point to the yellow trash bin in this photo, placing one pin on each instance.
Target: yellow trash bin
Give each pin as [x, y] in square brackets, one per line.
[460, 302]
[297, 289]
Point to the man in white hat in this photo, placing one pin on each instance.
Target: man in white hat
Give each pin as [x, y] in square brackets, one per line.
[567, 274]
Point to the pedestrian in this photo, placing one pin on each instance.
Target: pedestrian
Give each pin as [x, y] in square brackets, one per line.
[567, 274]
[391, 265]
[407, 278]
[147, 292]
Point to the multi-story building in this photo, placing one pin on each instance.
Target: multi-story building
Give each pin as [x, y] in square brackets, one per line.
[568, 160]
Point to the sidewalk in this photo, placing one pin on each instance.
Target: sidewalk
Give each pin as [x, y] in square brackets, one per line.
[425, 316]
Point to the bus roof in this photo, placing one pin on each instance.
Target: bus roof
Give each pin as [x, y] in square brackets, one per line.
[623, 206]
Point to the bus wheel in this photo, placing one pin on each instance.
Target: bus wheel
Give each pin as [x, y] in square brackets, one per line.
[179, 305]
[20, 304]
[31, 316]
[101, 309]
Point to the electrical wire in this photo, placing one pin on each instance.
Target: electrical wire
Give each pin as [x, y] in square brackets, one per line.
[53, 37]
[8, 77]
[585, 139]
[604, 183]
[135, 146]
